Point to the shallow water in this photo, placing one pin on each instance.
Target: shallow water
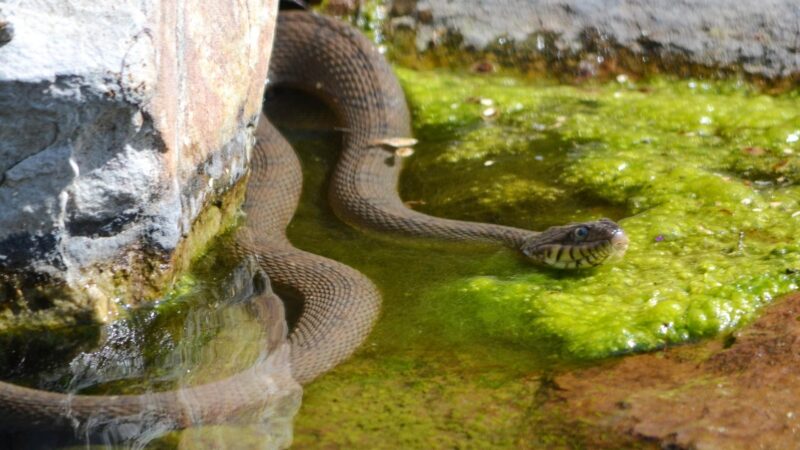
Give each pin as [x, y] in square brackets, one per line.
[703, 177]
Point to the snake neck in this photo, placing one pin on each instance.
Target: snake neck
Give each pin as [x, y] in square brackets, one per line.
[364, 192]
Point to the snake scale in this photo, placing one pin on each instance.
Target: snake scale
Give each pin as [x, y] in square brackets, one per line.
[336, 63]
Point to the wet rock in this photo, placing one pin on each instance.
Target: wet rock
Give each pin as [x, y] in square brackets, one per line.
[119, 125]
[686, 37]
[737, 393]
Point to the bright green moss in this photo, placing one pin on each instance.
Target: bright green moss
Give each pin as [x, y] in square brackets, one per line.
[703, 178]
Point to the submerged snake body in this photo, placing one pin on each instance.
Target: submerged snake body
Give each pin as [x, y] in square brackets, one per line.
[336, 63]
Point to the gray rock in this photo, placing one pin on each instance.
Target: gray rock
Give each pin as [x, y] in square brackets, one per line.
[119, 124]
[757, 37]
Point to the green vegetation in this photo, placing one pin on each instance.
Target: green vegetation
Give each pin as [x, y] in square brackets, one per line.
[702, 175]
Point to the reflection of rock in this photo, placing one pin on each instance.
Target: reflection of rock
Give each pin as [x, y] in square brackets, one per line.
[756, 37]
[119, 125]
[704, 396]
[247, 330]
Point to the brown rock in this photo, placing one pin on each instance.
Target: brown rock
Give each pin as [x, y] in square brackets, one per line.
[702, 396]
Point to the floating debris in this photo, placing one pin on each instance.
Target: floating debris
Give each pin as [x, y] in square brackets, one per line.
[489, 113]
[755, 151]
[396, 142]
[488, 163]
[487, 102]
[482, 67]
[704, 230]
[538, 126]
[404, 152]
[780, 165]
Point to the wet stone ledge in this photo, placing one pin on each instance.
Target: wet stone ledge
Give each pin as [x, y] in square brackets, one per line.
[125, 133]
[585, 39]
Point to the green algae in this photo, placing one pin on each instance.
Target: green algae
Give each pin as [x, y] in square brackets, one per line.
[702, 175]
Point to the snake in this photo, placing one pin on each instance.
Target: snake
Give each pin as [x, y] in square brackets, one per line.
[333, 61]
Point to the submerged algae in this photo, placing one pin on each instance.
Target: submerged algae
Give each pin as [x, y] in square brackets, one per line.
[704, 177]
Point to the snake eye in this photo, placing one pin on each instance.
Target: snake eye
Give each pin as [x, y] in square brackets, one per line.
[581, 233]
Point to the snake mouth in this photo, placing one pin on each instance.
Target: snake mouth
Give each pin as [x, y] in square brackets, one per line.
[619, 244]
[582, 255]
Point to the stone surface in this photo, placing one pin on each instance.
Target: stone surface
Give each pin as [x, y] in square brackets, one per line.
[739, 393]
[756, 37]
[119, 124]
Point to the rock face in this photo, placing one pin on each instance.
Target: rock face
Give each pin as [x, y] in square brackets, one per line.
[119, 124]
[755, 37]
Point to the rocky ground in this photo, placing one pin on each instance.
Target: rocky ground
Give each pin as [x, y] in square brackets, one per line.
[738, 392]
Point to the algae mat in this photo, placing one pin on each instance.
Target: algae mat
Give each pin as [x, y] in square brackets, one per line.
[705, 174]
[702, 175]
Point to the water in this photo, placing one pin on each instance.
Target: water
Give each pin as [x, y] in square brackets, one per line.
[470, 335]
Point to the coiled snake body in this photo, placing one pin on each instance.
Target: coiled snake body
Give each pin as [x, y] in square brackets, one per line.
[335, 62]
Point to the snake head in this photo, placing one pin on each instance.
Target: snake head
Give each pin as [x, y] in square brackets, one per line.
[577, 245]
